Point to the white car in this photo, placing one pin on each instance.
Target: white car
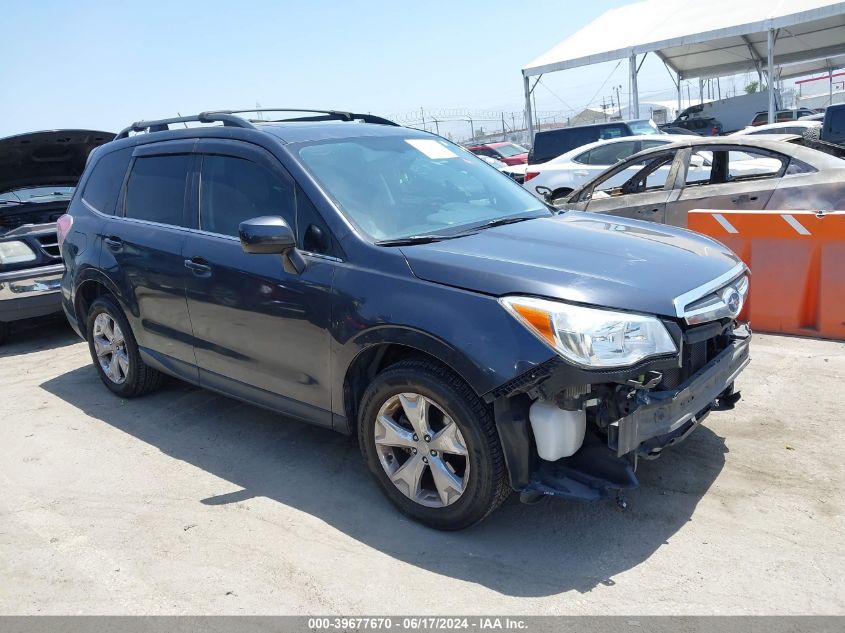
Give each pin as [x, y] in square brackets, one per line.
[784, 127]
[557, 178]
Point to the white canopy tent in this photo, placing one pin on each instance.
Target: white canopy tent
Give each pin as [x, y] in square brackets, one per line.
[704, 39]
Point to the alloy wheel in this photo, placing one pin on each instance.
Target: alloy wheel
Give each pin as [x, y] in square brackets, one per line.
[422, 450]
[110, 346]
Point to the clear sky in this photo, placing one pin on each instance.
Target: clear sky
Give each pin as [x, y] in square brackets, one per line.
[103, 64]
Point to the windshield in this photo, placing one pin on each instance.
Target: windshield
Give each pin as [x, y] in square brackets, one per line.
[36, 194]
[646, 126]
[511, 150]
[394, 187]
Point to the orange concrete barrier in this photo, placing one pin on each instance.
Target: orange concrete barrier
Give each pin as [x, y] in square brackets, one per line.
[797, 262]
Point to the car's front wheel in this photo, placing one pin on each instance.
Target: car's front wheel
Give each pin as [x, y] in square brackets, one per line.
[115, 352]
[432, 445]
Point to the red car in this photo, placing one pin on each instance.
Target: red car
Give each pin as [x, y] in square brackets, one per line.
[508, 153]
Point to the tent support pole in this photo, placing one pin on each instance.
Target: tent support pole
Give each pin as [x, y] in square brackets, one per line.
[830, 85]
[679, 95]
[770, 66]
[529, 120]
[635, 97]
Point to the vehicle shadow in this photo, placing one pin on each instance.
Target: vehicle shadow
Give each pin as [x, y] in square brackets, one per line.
[34, 335]
[520, 550]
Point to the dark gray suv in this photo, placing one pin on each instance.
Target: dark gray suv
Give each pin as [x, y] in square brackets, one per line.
[386, 283]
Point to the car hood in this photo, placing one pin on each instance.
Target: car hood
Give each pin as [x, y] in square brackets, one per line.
[54, 157]
[580, 257]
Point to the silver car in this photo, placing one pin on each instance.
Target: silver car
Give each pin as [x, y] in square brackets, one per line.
[715, 173]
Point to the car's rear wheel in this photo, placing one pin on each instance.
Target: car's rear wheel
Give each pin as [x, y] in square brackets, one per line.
[432, 445]
[115, 352]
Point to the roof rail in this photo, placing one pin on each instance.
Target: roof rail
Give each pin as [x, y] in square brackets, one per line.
[233, 118]
[160, 125]
[322, 115]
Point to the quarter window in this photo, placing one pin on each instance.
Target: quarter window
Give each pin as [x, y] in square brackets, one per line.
[312, 233]
[156, 188]
[235, 189]
[104, 184]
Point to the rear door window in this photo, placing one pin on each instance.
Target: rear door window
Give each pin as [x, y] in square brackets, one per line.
[612, 131]
[156, 189]
[753, 165]
[235, 189]
[106, 179]
[611, 153]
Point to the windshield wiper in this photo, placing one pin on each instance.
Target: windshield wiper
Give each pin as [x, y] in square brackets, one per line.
[425, 239]
[414, 239]
[503, 221]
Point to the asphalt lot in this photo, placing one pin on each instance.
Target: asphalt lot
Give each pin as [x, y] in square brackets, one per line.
[186, 502]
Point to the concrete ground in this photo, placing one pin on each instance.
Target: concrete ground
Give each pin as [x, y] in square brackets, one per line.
[186, 502]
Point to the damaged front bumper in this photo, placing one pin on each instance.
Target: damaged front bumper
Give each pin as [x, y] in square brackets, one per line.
[663, 418]
[656, 418]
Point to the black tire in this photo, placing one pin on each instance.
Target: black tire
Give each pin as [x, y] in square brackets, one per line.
[558, 195]
[5, 329]
[487, 485]
[140, 378]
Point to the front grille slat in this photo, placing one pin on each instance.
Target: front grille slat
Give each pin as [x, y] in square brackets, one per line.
[49, 244]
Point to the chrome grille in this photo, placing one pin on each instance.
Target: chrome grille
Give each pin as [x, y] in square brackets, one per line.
[721, 298]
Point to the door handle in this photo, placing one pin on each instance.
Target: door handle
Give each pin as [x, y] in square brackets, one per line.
[581, 172]
[113, 242]
[649, 211]
[198, 266]
[744, 198]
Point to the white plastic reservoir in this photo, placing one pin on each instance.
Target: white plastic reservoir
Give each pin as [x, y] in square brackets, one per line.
[558, 433]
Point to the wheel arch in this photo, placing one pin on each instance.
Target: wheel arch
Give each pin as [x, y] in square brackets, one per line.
[382, 347]
[86, 293]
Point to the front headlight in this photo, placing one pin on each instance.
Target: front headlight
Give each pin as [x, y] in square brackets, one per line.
[591, 337]
[15, 252]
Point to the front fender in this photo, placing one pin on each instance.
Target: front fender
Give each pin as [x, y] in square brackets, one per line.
[467, 331]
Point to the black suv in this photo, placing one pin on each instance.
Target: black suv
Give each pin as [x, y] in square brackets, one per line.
[384, 282]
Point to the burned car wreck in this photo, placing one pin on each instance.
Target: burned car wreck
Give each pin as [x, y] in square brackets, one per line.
[38, 173]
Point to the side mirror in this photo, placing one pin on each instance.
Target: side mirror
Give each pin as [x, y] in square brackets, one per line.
[266, 235]
[271, 235]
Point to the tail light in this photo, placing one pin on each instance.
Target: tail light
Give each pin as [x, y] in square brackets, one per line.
[63, 225]
[530, 174]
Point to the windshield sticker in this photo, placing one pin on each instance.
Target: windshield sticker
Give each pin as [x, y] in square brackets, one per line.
[431, 148]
